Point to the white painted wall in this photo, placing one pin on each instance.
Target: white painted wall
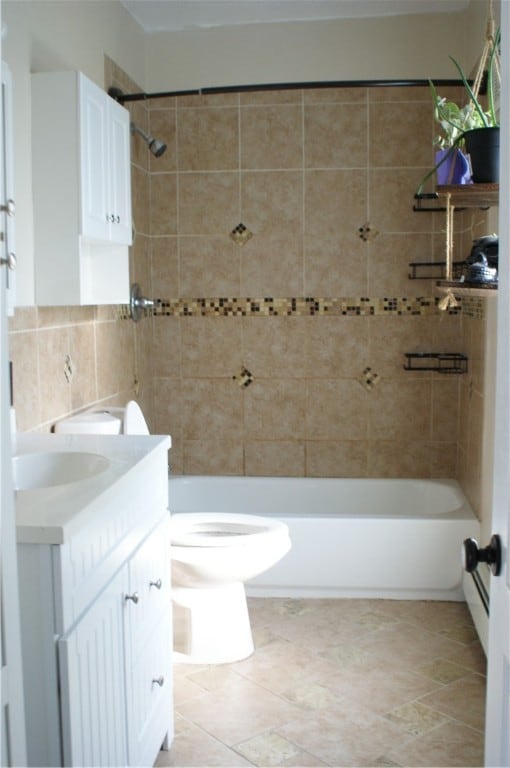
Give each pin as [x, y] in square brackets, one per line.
[53, 35]
[397, 47]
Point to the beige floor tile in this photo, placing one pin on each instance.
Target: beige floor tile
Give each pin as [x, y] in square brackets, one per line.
[270, 749]
[194, 748]
[344, 737]
[451, 744]
[238, 711]
[442, 671]
[338, 683]
[463, 700]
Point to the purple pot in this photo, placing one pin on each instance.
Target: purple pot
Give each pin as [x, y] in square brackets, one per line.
[452, 167]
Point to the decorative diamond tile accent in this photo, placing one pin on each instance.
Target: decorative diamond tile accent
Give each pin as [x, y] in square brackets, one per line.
[244, 378]
[367, 233]
[369, 379]
[241, 234]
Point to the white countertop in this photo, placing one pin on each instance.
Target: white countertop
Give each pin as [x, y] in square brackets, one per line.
[52, 515]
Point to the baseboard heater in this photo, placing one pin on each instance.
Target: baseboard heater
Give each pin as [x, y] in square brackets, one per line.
[476, 592]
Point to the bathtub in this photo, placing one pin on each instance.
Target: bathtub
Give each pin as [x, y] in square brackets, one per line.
[381, 538]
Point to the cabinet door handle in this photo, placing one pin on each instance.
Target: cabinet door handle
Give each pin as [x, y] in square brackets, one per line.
[9, 208]
[158, 584]
[117, 219]
[134, 597]
[159, 681]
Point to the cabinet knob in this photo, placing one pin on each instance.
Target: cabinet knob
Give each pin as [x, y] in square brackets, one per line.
[10, 261]
[158, 584]
[159, 681]
[117, 219]
[134, 597]
[9, 208]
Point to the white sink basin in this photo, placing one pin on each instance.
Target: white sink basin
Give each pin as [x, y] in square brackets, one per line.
[32, 471]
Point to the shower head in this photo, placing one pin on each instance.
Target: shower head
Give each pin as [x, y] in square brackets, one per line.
[156, 147]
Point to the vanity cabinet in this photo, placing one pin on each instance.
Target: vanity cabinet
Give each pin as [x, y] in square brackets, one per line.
[81, 191]
[97, 625]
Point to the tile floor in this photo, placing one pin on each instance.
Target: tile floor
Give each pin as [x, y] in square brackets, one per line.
[339, 683]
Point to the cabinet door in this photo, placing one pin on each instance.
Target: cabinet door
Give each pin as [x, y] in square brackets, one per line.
[120, 174]
[91, 659]
[149, 648]
[95, 209]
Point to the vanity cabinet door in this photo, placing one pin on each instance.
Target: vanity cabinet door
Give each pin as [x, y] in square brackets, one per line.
[149, 647]
[91, 659]
[120, 174]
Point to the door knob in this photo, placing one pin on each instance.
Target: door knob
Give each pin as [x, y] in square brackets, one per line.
[134, 597]
[472, 554]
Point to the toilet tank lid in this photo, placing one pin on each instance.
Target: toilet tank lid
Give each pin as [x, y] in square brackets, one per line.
[90, 422]
[134, 420]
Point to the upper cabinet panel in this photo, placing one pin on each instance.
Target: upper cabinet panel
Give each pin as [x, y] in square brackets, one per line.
[81, 192]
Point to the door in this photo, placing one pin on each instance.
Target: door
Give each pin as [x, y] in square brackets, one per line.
[120, 176]
[95, 205]
[12, 720]
[497, 730]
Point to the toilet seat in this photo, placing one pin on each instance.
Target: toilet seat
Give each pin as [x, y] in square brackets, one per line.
[213, 529]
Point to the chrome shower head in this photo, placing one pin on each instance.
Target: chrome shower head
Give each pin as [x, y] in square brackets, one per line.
[156, 147]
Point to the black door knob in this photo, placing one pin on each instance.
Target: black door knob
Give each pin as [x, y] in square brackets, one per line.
[472, 555]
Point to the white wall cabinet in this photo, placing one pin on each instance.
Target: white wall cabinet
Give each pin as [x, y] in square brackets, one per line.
[97, 630]
[81, 192]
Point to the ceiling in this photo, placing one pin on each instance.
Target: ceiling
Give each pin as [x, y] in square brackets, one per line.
[174, 15]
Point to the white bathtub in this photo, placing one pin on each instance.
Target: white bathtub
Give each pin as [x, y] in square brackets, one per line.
[381, 538]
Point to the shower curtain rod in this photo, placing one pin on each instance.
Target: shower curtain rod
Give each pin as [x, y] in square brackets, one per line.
[121, 97]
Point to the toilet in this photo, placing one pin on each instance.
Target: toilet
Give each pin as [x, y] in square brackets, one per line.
[212, 555]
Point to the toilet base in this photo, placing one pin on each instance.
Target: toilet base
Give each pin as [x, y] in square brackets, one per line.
[211, 625]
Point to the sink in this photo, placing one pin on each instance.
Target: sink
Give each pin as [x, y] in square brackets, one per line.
[32, 471]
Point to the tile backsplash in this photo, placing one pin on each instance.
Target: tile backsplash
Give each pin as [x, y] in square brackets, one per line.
[276, 233]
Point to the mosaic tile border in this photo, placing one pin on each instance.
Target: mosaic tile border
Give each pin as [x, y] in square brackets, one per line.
[299, 307]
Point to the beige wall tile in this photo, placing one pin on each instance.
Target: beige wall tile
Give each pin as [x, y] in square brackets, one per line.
[166, 347]
[140, 200]
[211, 409]
[163, 206]
[283, 96]
[208, 203]
[398, 458]
[213, 456]
[55, 391]
[337, 409]
[389, 256]
[400, 135]
[336, 266]
[407, 93]
[400, 411]
[445, 408]
[271, 266]
[209, 266]
[82, 349]
[337, 347]
[208, 139]
[275, 348]
[335, 202]
[165, 267]
[27, 395]
[274, 458]
[211, 346]
[271, 137]
[391, 194]
[336, 458]
[141, 271]
[272, 203]
[331, 95]
[336, 136]
[162, 125]
[276, 408]
[23, 319]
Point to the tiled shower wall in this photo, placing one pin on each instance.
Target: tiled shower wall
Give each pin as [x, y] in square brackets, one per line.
[283, 353]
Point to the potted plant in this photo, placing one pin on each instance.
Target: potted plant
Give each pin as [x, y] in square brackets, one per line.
[482, 137]
[467, 127]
